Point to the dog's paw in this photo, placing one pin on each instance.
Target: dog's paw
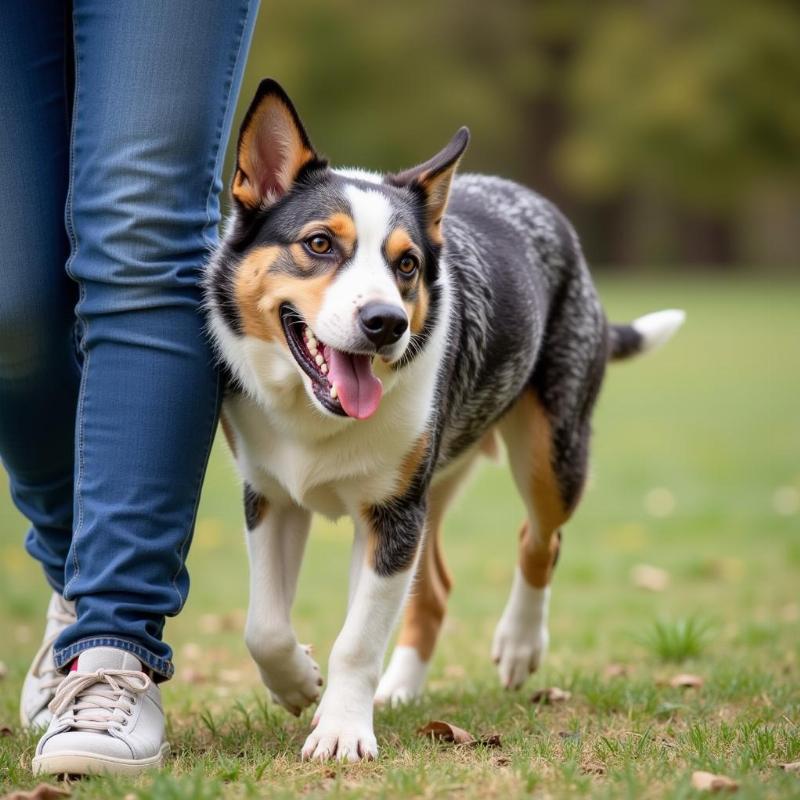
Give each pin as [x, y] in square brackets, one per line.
[521, 638]
[345, 737]
[518, 651]
[404, 678]
[294, 682]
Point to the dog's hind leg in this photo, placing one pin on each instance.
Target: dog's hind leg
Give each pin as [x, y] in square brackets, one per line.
[405, 675]
[521, 636]
[549, 467]
[546, 433]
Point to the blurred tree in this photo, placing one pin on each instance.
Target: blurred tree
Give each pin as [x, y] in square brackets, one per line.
[692, 105]
[667, 129]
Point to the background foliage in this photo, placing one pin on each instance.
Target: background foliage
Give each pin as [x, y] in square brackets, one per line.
[668, 131]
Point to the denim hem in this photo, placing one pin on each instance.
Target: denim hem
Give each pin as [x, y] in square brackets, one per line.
[163, 667]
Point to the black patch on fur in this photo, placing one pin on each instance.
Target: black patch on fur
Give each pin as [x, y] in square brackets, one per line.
[398, 527]
[568, 393]
[399, 523]
[219, 284]
[254, 507]
[624, 341]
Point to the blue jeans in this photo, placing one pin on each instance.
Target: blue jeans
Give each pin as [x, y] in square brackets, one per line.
[108, 393]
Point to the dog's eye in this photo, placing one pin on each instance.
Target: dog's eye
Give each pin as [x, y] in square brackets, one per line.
[320, 245]
[408, 265]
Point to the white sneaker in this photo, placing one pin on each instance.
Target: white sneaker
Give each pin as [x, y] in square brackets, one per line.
[107, 717]
[42, 679]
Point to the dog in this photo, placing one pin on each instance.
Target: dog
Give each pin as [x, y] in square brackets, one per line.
[378, 333]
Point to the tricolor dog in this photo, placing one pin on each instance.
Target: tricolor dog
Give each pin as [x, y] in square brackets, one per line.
[379, 332]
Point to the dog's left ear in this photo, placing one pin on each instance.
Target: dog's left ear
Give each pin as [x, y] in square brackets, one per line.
[273, 149]
[432, 180]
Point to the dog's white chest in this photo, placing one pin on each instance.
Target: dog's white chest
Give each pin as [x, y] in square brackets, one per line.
[332, 476]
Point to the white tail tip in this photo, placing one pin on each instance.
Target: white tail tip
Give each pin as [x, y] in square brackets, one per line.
[658, 328]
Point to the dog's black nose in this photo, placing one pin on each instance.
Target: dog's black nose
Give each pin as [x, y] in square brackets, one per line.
[382, 323]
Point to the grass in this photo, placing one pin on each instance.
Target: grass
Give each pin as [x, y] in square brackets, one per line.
[696, 472]
[677, 640]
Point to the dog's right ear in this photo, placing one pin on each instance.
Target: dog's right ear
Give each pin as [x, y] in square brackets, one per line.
[273, 149]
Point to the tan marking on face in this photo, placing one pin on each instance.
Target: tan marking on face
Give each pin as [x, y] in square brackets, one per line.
[302, 257]
[340, 226]
[272, 120]
[399, 242]
[260, 291]
[418, 310]
[228, 432]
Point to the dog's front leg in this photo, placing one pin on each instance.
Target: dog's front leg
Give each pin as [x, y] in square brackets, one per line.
[276, 538]
[344, 719]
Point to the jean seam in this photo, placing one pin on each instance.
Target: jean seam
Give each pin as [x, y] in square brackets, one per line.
[149, 659]
[226, 109]
[197, 489]
[74, 248]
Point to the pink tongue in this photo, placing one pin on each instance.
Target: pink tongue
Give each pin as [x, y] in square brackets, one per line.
[358, 389]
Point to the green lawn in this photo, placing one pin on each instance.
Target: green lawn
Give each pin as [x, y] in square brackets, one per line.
[696, 470]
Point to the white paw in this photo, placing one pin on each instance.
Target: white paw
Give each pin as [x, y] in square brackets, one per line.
[518, 652]
[345, 737]
[404, 678]
[294, 682]
[521, 637]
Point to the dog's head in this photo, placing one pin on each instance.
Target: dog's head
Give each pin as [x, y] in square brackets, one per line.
[336, 269]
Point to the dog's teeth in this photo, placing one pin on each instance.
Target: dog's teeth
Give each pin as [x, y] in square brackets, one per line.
[334, 393]
[323, 368]
[319, 359]
[312, 347]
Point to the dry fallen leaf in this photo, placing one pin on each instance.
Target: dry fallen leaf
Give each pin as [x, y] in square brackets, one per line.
[794, 766]
[193, 676]
[708, 782]
[550, 695]
[501, 761]
[593, 768]
[615, 670]
[446, 732]
[6, 731]
[44, 791]
[490, 740]
[654, 579]
[686, 681]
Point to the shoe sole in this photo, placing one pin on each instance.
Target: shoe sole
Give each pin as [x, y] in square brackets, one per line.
[78, 763]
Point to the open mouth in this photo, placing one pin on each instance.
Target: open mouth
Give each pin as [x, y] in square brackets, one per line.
[344, 383]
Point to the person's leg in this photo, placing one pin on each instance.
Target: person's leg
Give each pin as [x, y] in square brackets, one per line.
[39, 373]
[155, 90]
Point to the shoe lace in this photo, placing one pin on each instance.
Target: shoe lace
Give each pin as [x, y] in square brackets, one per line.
[99, 700]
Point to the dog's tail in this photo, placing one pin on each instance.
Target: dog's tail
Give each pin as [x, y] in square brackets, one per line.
[643, 334]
